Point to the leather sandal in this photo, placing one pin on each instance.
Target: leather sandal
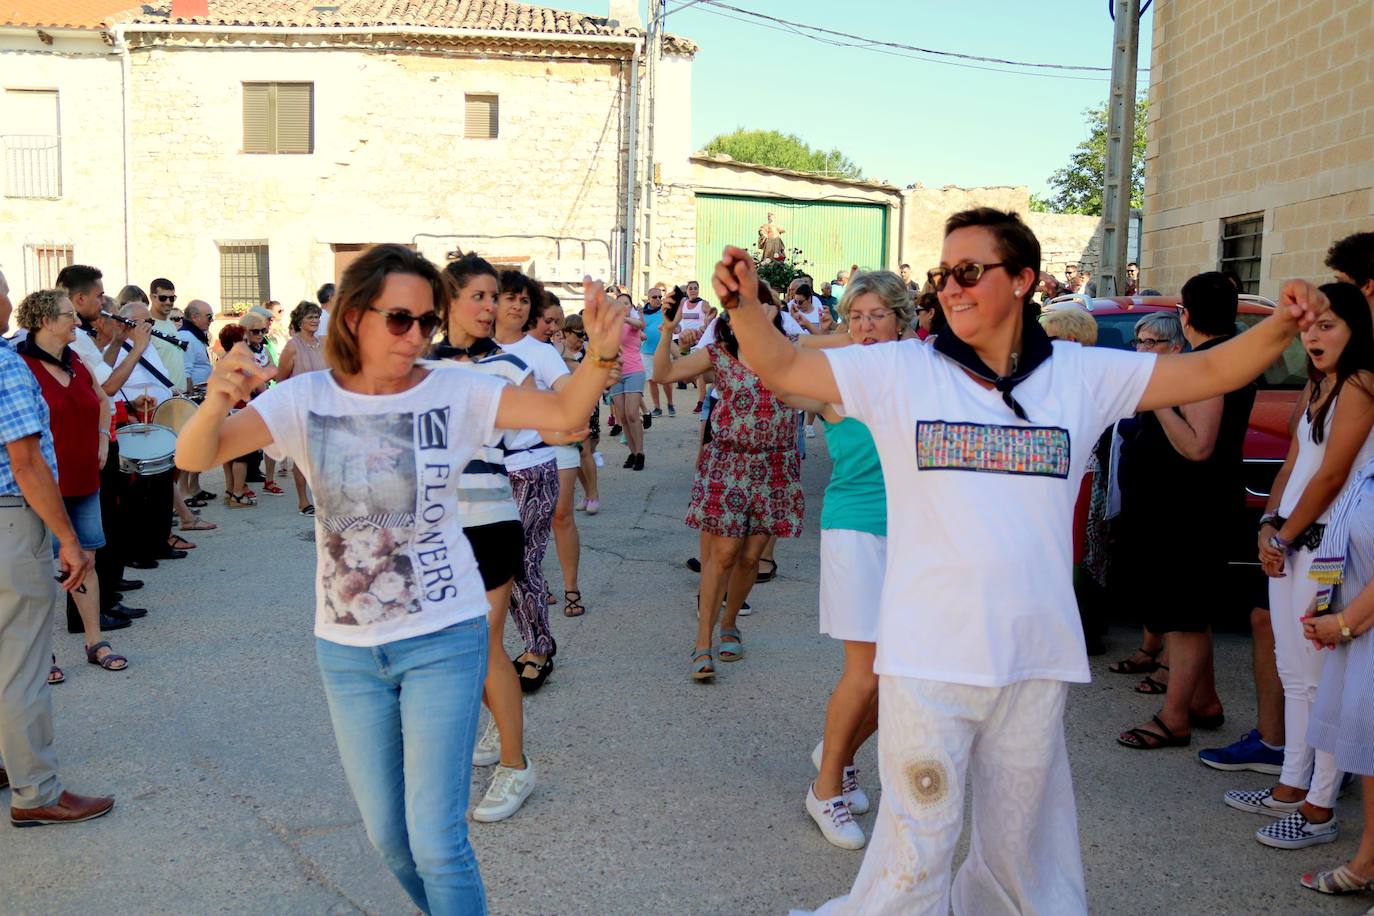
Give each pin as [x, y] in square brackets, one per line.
[1141, 739]
[574, 606]
[110, 662]
[1129, 665]
[1152, 687]
[55, 675]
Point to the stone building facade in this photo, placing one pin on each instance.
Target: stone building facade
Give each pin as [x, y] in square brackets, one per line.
[1261, 127]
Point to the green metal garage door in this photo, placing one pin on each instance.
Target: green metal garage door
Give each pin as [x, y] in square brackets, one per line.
[832, 235]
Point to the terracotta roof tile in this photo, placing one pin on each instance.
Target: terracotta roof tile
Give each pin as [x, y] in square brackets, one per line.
[498, 15]
[60, 14]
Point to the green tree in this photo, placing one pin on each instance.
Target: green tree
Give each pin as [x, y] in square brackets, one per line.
[782, 151]
[1077, 188]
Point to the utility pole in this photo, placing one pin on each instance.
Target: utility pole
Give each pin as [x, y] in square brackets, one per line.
[653, 50]
[1116, 189]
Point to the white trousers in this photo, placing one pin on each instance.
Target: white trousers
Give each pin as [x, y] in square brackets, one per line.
[1300, 670]
[1023, 857]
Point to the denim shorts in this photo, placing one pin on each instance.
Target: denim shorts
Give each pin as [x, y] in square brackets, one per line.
[84, 512]
[632, 383]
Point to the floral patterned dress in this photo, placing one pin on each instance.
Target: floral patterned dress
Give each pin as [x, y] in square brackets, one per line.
[748, 478]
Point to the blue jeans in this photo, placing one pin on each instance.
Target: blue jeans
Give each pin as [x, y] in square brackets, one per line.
[405, 717]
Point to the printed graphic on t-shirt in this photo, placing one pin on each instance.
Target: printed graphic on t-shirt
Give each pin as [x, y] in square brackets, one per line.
[365, 504]
[1037, 451]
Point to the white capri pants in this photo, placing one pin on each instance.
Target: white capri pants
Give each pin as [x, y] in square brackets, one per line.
[852, 568]
[569, 457]
[1023, 854]
[1300, 670]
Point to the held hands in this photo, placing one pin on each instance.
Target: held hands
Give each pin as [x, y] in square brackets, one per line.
[602, 319]
[1301, 304]
[1271, 559]
[736, 279]
[237, 375]
[1324, 632]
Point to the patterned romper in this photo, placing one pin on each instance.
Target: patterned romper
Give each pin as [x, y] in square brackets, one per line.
[748, 478]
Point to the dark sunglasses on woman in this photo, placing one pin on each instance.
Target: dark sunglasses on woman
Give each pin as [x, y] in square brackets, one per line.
[965, 273]
[398, 323]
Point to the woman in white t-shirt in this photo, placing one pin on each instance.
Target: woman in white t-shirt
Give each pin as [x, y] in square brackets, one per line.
[535, 476]
[983, 439]
[401, 636]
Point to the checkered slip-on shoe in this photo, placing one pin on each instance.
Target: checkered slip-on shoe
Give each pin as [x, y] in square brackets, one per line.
[1296, 832]
[1261, 802]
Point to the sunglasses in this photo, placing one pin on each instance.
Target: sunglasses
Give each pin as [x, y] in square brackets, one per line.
[256, 331]
[162, 298]
[965, 273]
[398, 323]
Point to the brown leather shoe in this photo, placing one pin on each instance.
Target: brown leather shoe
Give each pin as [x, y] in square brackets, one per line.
[68, 809]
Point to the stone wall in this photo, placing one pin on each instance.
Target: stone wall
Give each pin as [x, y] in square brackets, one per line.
[89, 216]
[1281, 126]
[390, 162]
[1067, 239]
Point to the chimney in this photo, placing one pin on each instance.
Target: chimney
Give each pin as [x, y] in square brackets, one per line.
[626, 12]
[190, 9]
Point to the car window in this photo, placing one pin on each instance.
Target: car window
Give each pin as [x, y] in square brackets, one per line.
[1288, 372]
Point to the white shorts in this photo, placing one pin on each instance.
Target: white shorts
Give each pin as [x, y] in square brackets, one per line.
[567, 456]
[852, 567]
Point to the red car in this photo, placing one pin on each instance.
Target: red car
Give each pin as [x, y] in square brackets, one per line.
[1266, 441]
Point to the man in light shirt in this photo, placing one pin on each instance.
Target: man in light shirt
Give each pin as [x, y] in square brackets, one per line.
[195, 331]
[163, 297]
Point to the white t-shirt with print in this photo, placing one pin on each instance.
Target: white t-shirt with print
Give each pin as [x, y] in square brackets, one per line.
[392, 559]
[548, 367]
[979, 586]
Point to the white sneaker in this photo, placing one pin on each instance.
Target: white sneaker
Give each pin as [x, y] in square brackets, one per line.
[1296, 832]
[854, 797]
[836, 822]
[598, 460]
[487, 752]
[508, 791]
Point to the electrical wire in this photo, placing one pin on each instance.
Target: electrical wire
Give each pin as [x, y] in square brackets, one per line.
[815, 33]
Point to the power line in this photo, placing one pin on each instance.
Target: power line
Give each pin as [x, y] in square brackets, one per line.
[817, 33]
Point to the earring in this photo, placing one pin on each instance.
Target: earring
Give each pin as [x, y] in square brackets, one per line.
[1016, 291]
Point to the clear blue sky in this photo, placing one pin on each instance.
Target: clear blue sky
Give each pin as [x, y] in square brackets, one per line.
[902, 119]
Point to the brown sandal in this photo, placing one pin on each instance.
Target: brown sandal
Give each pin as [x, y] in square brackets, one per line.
[1152, 687]
[574, 606]
[1141, 739]
[1129, 665]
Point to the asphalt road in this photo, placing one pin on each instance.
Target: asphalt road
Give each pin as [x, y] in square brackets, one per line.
[657, 794]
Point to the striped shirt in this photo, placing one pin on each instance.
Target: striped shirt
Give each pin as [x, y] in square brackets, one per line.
[484, 493]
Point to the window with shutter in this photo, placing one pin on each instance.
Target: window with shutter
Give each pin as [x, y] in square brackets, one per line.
[278, 117]
[243, 276]
[481, 117]
[31, 142]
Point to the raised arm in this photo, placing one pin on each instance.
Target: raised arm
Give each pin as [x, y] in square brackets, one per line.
[211, 438]
[668, 371]
[1191, 377]
[781, 365]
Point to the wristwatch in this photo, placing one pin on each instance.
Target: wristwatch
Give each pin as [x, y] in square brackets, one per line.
[1345, 630]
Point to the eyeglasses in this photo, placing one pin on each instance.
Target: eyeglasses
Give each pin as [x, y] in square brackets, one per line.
[398, 322]
[874, 318]
[965, 273]
[162, 298]
[656, 296]
[71, 315]
[1146, 343]
[924, 309]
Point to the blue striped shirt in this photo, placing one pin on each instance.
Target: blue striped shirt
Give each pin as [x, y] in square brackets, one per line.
[23, 413]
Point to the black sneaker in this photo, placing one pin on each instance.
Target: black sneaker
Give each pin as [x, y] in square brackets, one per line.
[629, 464]
[639, 462]
[648, 420]
[615, 429]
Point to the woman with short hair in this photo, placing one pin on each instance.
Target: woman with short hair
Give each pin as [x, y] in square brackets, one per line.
[1070, 323]
[79, 414]
[400, 619]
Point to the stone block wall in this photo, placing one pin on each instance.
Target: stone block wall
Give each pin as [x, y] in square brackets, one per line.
[1067, 239]
[390, 162]
[1281, 124]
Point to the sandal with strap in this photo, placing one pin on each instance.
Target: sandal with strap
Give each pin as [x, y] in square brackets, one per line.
[1337, 881]
[732, 651]
[574, 606]
[234, 501]
[199, 524]
[530, 683]
[110, 662]
[1140, 739]
[703, 665]
[771, 574]
[1152, 687]
[1130, 666]
[176, 542]
[55, 675]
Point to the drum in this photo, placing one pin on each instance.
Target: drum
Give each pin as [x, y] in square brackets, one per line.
[174, 412]
[146, 448]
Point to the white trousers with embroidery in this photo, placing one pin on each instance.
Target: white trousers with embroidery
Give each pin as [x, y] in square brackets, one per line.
[1023, 857]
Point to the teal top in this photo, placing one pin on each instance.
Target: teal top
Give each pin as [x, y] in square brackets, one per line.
[855, 499]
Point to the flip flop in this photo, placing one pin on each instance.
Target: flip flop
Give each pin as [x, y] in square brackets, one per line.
[176, 542]
[199, 524]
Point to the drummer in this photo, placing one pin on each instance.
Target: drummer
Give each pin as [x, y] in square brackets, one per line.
[154, 497]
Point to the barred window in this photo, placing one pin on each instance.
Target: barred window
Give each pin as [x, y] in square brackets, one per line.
[45, 262]
[1242, 242]
[243, 276]
[278, 117]
[481, 117]
[32, 144]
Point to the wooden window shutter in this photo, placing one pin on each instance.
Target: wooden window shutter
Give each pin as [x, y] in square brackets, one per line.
[258, 135]
[481, 117]
[295, 117]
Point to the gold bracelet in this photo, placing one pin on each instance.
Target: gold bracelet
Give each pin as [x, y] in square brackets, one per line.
[606, 362]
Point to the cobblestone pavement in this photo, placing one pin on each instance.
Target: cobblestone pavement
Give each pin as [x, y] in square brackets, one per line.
[657, 794]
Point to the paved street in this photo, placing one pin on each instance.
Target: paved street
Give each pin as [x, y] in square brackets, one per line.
[657, 795]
